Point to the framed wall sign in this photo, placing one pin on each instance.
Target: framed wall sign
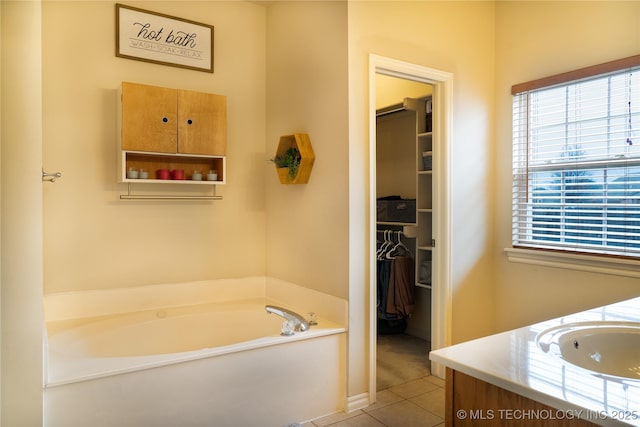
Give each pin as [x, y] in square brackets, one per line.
[162, 39]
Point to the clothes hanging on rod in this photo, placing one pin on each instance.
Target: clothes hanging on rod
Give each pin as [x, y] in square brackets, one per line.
[396, 278]
[401, 286]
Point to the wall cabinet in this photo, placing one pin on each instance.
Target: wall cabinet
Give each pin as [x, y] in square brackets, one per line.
[163, 128]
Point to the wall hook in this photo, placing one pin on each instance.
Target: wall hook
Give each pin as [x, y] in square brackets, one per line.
[50, 177]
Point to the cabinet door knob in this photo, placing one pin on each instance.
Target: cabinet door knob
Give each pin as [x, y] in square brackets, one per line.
[165, 120]
[189, 121]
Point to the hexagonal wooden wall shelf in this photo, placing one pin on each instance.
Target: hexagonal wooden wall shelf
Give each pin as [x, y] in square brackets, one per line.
[301, 143]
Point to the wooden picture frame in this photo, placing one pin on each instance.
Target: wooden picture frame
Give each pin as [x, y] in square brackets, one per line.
[162, 39]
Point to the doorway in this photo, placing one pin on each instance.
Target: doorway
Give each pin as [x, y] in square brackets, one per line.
[439, 293]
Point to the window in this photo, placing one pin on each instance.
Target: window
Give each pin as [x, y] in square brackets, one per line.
[576, 161]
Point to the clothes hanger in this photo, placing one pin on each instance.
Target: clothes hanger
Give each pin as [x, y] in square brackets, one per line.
[391, 253]
[381, 247]
[381, 254]
[400, 245]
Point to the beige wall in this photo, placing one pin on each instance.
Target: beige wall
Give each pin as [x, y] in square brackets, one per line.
[307, 226]
[533, 40]
[21, 214]
[92, 238]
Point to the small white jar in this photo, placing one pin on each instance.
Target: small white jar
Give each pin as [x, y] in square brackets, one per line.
[132, 173]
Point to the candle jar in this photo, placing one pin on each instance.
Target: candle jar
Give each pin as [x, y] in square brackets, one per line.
[132, 173]
[163, 173]
[177, 174]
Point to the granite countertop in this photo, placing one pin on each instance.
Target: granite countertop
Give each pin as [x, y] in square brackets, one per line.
[513, 361]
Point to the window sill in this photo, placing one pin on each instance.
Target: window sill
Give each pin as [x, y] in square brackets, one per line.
[593, 264]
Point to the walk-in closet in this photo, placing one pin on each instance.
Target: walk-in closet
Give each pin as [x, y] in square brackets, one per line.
[404, 218]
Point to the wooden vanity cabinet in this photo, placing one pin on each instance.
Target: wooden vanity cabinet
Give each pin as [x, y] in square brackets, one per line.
[470, 401]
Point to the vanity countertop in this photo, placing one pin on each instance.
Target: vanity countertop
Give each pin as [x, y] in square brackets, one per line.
[513, 361]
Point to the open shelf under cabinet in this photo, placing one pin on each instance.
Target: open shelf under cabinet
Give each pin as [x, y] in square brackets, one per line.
[152, 162]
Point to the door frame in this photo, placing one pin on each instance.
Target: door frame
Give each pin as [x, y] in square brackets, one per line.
[442, 83]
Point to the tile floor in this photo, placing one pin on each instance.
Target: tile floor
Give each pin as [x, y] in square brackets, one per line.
[417, 402]
[400, 359]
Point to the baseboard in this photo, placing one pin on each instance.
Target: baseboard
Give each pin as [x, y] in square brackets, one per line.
[438, 370]
[356, 402]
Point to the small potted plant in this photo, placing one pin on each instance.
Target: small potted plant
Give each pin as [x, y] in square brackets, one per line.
[290, 160]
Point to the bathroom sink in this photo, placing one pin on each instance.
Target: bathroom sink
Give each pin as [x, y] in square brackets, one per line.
[606, 348]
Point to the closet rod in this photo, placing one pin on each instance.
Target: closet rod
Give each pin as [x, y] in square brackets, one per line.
[410, 232]
[398, 232]
[390, 109]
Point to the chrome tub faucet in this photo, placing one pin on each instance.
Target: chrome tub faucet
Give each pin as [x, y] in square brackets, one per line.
[299, 323]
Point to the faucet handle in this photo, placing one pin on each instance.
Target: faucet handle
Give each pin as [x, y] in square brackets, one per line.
[313, 319]
[287, 328]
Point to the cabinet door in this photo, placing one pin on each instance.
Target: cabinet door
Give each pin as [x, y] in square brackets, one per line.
[149, 118]
[202, 123]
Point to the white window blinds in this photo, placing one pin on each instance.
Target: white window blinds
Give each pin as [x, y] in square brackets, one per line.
[576, 165]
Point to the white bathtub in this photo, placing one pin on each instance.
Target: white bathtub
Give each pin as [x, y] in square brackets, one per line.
[192, 354]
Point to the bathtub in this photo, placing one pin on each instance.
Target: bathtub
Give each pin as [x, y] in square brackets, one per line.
[192, 354]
